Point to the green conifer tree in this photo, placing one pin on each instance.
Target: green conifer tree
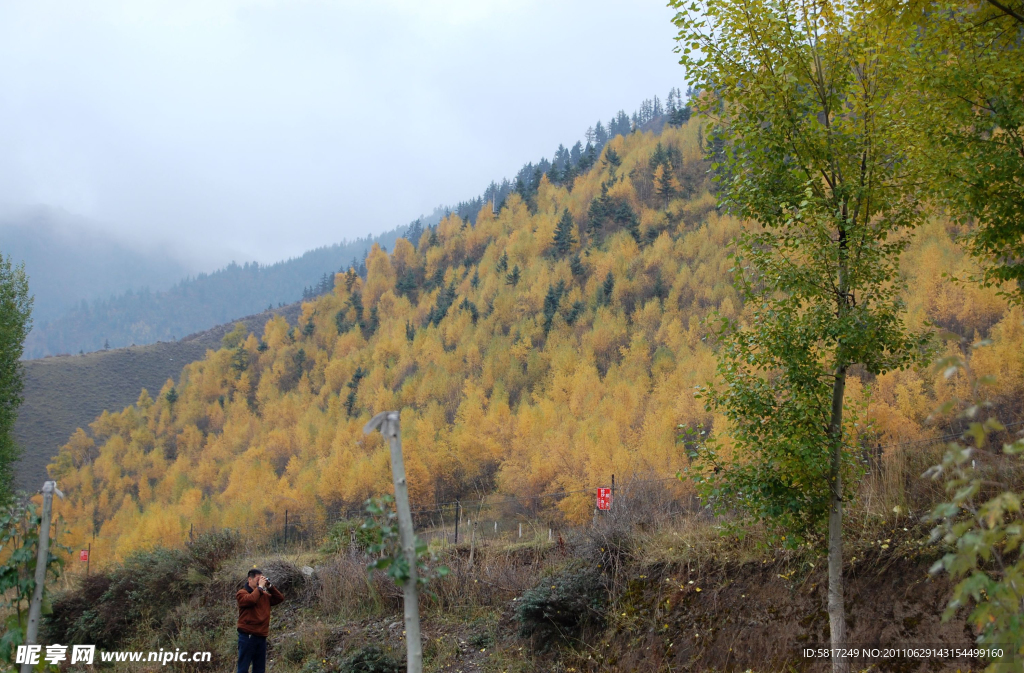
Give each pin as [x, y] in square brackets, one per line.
[564, 239]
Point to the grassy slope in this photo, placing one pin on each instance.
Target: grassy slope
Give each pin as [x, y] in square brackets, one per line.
[68, 392]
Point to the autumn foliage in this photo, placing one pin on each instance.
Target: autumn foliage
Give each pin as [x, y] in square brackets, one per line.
[582, 365]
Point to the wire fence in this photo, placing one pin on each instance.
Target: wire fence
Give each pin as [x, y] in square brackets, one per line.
[506, 519]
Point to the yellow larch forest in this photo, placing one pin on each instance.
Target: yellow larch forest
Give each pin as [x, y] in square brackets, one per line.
[519, 368]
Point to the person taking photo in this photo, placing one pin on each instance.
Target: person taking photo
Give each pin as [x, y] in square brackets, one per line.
[255, 599]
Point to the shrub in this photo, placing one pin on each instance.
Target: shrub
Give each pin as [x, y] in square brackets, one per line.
[107, 609]
[339, 537]
[286, 577]
[562, 604]
[210, 550]
[368, 659]
[371, 659]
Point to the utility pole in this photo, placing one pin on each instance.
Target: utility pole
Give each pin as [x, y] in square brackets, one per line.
[388, 424]
[35, 610]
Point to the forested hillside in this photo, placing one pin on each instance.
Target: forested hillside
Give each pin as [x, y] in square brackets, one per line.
[539, 349]
[194, 304]
[67, 392]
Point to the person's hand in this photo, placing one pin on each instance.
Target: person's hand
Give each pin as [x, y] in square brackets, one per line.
[263, 582]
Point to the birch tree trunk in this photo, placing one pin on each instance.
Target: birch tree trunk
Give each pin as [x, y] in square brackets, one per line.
[389, 425]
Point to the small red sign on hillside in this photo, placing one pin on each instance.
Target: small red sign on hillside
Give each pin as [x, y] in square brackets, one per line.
[604, 498]
[83, 555]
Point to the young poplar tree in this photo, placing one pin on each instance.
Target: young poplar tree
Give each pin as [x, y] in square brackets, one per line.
[15, 323]
[970, 123]
[802, 95]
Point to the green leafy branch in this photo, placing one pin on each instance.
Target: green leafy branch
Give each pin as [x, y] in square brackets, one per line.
[983, 524]
[19, 544]
[381, 529]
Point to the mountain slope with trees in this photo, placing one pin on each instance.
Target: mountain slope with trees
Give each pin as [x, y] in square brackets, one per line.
[66, 392]
[536, 350]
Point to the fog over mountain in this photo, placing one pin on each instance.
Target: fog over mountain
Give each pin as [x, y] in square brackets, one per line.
[271, 128]
[70, 260]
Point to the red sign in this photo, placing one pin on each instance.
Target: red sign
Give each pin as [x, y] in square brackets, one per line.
[83, 555]
[604, 498]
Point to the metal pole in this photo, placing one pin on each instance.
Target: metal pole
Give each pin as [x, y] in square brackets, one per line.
[458, 516]
[35, 610]
[88, 559]
[389, 425]
[286, 528]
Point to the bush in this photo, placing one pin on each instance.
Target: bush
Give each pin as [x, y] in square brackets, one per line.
[210, 550]
[368, 659]
[339, 537]
[296, 651]
[286, 577]
[562, 604]
[371, 659]
[107, 609]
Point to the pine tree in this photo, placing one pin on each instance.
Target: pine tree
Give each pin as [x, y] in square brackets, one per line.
[356, 302]
[513, 278]
[573, 313]
[612, 159]
[564, 239]
[659, 289]
[353, 385]
[406, 285]
[551, 301]
[598, 211]
[576, 266]
[554, 176]
[341, 321]
[626, 218]
[605, 291]
[414, 233]
[445, 298]
[410, 331]
[664, 182]
[569, 176]
[680, 116]
[373, 322]
[467, 305]
[502, 265]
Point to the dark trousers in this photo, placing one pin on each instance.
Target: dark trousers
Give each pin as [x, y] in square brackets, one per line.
[252, 650]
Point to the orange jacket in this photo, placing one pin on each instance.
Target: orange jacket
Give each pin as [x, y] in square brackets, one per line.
[254, 609]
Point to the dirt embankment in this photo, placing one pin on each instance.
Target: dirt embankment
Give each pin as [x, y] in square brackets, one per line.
[761, 616]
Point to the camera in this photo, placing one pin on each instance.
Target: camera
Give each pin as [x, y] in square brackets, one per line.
[268, 584]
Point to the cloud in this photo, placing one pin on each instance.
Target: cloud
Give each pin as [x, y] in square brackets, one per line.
[268, 127]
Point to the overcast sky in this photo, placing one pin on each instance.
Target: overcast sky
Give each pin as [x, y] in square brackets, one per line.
[259, 129]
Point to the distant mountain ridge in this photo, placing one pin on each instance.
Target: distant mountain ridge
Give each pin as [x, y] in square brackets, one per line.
[70, 260]
[194, 304]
